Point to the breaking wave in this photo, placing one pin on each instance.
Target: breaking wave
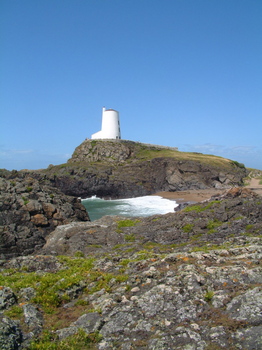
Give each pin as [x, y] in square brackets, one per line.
[130, 207]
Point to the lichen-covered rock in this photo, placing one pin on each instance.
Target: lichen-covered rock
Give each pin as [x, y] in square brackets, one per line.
[10, 334]
[7, 297]
[33, 318]
[90, 322]
[249, 339]
[247, 307]
[37, 263]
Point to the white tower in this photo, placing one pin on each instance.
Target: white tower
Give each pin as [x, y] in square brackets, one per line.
[110, 125]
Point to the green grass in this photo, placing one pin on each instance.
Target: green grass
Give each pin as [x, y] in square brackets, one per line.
[207, 248]
[249, 227]
[209, 295]
[130, 238]
[26, 200]
[15, 312]
[199, 208]
[125, 223]
[125, 262]
[188, 228]
[52, 288]
[146, 153]
[239, 165]
[213, 225]
[79, 341]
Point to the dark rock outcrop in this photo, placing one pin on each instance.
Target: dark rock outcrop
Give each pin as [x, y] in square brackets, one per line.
[29, 211]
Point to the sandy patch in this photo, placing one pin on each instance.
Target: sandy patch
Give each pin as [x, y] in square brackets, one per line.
[191, 195]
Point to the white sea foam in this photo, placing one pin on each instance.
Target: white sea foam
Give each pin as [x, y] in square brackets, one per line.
[140, 206]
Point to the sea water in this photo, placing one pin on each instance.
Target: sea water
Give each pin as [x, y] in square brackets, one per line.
[130, 207]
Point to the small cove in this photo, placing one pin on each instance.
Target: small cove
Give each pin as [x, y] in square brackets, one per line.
[130, 207]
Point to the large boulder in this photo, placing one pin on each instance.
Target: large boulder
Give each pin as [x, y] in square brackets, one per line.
[29, 211]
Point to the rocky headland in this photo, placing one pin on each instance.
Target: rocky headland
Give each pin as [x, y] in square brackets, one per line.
[123, 169]
[191, 279]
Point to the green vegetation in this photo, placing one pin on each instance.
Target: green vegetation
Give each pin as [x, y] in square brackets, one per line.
[199, 208]
[249, 227]
[15, 312]
[240, 165]
[94, 245]
[130, 238]
[209, 247]
[250, 230]
[52, 288]
[79, 341]
[93, 143]
[26, 200]
[79, 254]
[81, 302]
[125, 262]
[145, 152]
[209, 295]
[126, 223]
[195, 237]
[29, 189]
[212, 225]
[188, 228]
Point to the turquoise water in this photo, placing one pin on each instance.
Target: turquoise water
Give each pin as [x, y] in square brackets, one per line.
[131, 207]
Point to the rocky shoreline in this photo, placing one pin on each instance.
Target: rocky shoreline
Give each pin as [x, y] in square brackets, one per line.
[185, 280]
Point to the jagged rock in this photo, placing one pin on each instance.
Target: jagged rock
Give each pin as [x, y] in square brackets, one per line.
[90, 323]
[181, 206]
[29, 210]
[66, 332]
[33, 263]
[10, 334]
[7, 297]
[247, 307]
[33, 318]
[81, 237]
[249, 339]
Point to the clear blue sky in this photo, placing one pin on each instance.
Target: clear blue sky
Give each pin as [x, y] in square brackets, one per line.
[182, 73]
